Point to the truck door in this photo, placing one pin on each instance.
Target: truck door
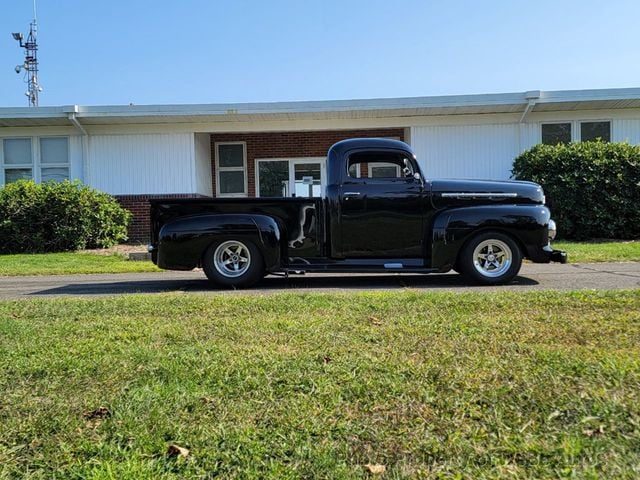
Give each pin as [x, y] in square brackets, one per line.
[381, 206]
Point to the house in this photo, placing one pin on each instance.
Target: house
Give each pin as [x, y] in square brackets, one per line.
[271, 149]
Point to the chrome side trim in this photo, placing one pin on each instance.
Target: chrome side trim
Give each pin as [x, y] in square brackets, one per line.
[393, 265]
[479, 195]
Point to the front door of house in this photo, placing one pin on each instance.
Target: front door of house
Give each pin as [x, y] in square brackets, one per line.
[291, 177]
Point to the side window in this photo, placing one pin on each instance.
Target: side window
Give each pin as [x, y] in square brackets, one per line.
[555, 133]
[231, 169]
[18, 160]
[381, 166]
[592, 131]
[42, 159]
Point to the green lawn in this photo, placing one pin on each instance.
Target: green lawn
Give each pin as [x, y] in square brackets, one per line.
[69, 263]
[605, 251]
[437, 385]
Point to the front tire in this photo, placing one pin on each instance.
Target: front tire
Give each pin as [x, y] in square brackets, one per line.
[233, 263]
[490, 258]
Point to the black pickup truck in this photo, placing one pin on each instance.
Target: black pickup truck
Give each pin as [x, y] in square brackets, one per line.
[378, 213]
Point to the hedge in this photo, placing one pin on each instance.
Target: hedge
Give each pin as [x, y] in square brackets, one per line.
[592, 188]
[58, 216]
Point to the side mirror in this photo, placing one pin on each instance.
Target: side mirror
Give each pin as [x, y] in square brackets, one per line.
[417, 176]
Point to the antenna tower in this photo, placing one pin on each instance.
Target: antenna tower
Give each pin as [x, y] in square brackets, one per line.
[30, 65]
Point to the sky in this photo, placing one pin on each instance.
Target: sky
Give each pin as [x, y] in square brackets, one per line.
[113, 52]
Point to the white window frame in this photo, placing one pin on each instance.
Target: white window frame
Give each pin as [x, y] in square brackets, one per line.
[292, 161]
[16, 166]
[242, 169]
[36, 164]
[608, 120]
[576, 127]
[38, 157]
[556, 122]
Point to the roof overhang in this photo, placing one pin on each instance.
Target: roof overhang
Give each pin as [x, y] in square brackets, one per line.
[515, 103]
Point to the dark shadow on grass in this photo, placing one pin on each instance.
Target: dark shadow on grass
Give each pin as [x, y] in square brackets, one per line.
[272, 283]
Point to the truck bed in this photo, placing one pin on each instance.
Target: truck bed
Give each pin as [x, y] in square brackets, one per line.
[301, 218]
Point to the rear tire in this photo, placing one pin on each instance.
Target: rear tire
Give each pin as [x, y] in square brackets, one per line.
[490, 258]
[233, 263]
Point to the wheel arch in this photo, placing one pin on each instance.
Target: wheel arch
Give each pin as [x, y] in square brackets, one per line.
[453, 229]
[183, 242]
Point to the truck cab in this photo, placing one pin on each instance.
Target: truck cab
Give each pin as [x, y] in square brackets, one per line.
[378, 213]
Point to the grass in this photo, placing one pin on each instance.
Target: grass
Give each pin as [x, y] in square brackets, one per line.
[438, 385]
[602, 251]
[70, 263]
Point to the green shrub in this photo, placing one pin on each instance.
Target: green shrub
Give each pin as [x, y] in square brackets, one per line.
[592, 188]
[58, 216]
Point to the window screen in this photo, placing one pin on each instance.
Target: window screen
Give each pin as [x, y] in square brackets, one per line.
[54, 150]
[555, 133]
[231, 155]
[592, 131]
[17, 151]
[230, 165]
[273, 178]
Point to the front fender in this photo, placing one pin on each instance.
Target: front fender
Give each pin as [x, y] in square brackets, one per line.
[527, 224]
[183, 241]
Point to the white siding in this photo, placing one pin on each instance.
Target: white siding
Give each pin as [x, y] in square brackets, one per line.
[142, 164]
[626, 130]
[467, 151]
[530, 135]
[203, 164]
[76, 168]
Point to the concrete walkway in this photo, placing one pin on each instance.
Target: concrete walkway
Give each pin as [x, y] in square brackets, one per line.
[532, 277]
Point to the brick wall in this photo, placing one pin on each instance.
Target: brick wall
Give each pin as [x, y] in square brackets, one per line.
[290, 145]
[138, 205]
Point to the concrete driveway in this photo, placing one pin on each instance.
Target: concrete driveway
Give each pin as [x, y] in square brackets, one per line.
[532, 277]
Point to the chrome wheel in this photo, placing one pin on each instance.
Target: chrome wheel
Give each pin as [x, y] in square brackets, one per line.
[232, 259]
[492, 258]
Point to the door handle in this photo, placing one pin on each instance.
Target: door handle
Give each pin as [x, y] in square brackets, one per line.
[350, 194]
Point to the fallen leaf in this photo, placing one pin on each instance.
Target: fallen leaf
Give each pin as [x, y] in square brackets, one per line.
[375, 321]
[589, 419]
[375, 469]
[554, 414]
[593, 433]
[100, 412]
[177, 451]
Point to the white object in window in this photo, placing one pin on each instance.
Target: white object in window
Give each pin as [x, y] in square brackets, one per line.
[384, 170]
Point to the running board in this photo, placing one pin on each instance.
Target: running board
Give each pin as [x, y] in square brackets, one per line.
[355, 269]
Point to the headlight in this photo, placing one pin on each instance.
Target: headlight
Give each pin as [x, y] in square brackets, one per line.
[552, 230]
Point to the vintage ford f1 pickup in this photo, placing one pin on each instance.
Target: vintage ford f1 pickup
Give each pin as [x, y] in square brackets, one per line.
[378, 213]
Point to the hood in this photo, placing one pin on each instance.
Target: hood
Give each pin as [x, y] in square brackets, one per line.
[454, 192]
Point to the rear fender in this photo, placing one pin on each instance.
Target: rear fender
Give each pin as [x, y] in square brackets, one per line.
[183, 241]
[527, 224]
